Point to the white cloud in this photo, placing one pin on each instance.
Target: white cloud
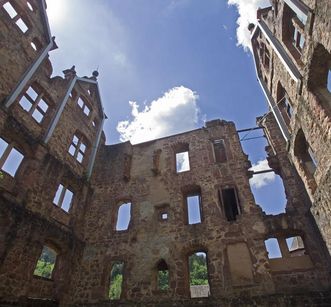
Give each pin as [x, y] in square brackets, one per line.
[176, 111]
[260, 180]
[247, 14]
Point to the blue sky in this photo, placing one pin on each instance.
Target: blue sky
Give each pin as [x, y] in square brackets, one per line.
[167, 66]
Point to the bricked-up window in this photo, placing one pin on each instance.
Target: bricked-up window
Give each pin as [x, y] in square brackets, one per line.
[116, 281]
[123, 216]
[273, 249]
[230, 201]
[63, 198]
[46, 263]
[182, 162]
[219, 151]
[16, 18]
[193, 203]
[34, 103]
[162, 275]
[78, 147]
[198, 269]
[10, 158]
[84, 106]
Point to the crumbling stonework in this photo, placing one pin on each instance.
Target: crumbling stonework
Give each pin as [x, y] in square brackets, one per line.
[292, 51]
[64, 153]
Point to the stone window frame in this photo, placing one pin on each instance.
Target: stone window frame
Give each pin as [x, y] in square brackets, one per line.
[284, 104]
[181, 148]
[303, 153]
[114, 219]
[124, 274]
[53, 246]
[84, 105]
[41, 96]
[82, 142]
[156, 271]
[319, 75]
[162, 209]
[188, 191]
[4, 157]
[17, 16]
[293, 29]
[215, 143]
[190, 252]
[65, 189]
[221, 200]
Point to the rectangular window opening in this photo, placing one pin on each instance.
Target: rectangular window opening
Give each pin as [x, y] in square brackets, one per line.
[63, 198]
[295, 246]
[193, 203]
[123, 217]
[273, 248]
[45, 264]
[77, 148]
[182, 162]
[198, 269]
[116, 281]
[230, 204]
[10, 159]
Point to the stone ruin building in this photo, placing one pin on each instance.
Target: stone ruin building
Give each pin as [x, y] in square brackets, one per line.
[63, 189]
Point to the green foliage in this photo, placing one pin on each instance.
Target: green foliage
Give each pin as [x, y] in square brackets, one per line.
[116, 280]
[163, 280]
[198, 269]
[44, 269]
[45, 264]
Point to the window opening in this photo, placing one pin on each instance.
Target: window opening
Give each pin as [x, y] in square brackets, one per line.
[182, 162]
[29, 6]
[10, 158]
[81, 103]
[255, 144]
[164, 216]
[329, 81]
[77, 148]
[193, 203]
[273, 248]
[123, 217]
[116, 281]
[33, 45]
[162, 276]
[15, 17]
[219, 151]
[63, 198]
[230, 204]
[46, 262]
[33, 102]
[295, 246]
[198, 269]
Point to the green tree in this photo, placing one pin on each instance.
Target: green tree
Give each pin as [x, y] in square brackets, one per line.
[116, 280]
[198, 269]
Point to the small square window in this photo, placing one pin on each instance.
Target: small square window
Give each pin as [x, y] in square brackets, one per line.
[22, 25]
[164, 216]
[10, 158]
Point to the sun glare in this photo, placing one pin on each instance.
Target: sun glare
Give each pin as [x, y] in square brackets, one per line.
[56, 10]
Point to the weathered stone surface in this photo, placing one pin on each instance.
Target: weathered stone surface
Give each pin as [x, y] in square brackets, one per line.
[240, 272]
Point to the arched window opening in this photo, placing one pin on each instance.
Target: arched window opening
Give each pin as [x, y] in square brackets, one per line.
[198, 270]
[123, 216]
[162, 275]
[116, 281]
[46, 263]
